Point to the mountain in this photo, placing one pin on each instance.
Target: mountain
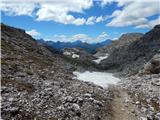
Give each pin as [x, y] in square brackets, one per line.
[78, 53]
[124, 41]
[136, 60]
[38, 83]
[88, 47]
[131, 58]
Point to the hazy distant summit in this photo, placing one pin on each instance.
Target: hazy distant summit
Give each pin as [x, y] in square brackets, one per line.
[88, 47]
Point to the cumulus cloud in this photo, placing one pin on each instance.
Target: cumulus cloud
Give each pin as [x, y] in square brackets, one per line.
[99, 19]
[59, 11]
[154, 22]
[149, 24]
[52, 10]
[93, 19]
[119, 2]
[33, 32]
[82, 37]
[46, 10]
[17, 9]
[134, 13]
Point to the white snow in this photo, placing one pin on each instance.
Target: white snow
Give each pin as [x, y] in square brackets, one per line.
[71, 54]
[102, 79]
[66, 53]
[101, 58]
[75, 56]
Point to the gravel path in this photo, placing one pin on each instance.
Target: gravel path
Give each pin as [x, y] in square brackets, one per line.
[122, 108]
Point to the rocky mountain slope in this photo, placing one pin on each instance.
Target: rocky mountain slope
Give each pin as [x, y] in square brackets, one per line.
[123, 41]
[38, 84]
[131, 58]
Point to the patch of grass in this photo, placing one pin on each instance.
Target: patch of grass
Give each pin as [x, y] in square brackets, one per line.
[155, 104]
[29, 72]
[20, 85]
[6, 47]
[111, 66]
[3, 62]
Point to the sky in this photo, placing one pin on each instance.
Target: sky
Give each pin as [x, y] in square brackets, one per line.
[86, 20]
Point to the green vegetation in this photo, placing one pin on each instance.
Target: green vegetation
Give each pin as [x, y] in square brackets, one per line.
[20, 85]
[29, 72]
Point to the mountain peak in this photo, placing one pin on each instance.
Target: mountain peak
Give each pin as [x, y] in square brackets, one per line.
[157, 26]
[128, 36]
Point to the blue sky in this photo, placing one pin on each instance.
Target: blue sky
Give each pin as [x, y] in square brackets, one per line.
[86, 20]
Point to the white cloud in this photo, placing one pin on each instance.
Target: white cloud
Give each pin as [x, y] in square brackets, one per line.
[134, 13]
[82, 37]
[33, 32]
[149, 24]
[17, 9]
[79, 21]
[52, 10]
[47, 10]
[154, 22]
[102, 36]
[85, 38]
[59, 11]
[99, 19]
[91, 20]
[120, 2]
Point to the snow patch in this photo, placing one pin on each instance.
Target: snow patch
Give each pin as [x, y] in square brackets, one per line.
[75, 56]
[102, 79]
[71, 54]
[101, 58]
[66, 53]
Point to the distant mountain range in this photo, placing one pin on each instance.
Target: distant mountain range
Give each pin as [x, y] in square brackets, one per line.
[88, 47]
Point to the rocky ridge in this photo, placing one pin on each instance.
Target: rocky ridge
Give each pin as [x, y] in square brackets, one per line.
[123, 41]
[130, 59]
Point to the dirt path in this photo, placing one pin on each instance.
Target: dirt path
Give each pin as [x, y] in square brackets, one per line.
[122, 107]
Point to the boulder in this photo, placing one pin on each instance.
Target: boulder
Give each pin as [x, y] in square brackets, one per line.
[153, 66]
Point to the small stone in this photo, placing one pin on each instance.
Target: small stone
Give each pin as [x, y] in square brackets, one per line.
[76, 107]
[87, 95]
[21, 74]
[156, 83]
[143, 118]
[137, 102]
[158, 116]
[126, 105]
[126, 100]
[69, 99]
[60, 108]
[12, 109]
[133, 111]
[10, 99]
[98, 103]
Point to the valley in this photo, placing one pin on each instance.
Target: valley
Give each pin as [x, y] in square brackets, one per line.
[120, 81]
